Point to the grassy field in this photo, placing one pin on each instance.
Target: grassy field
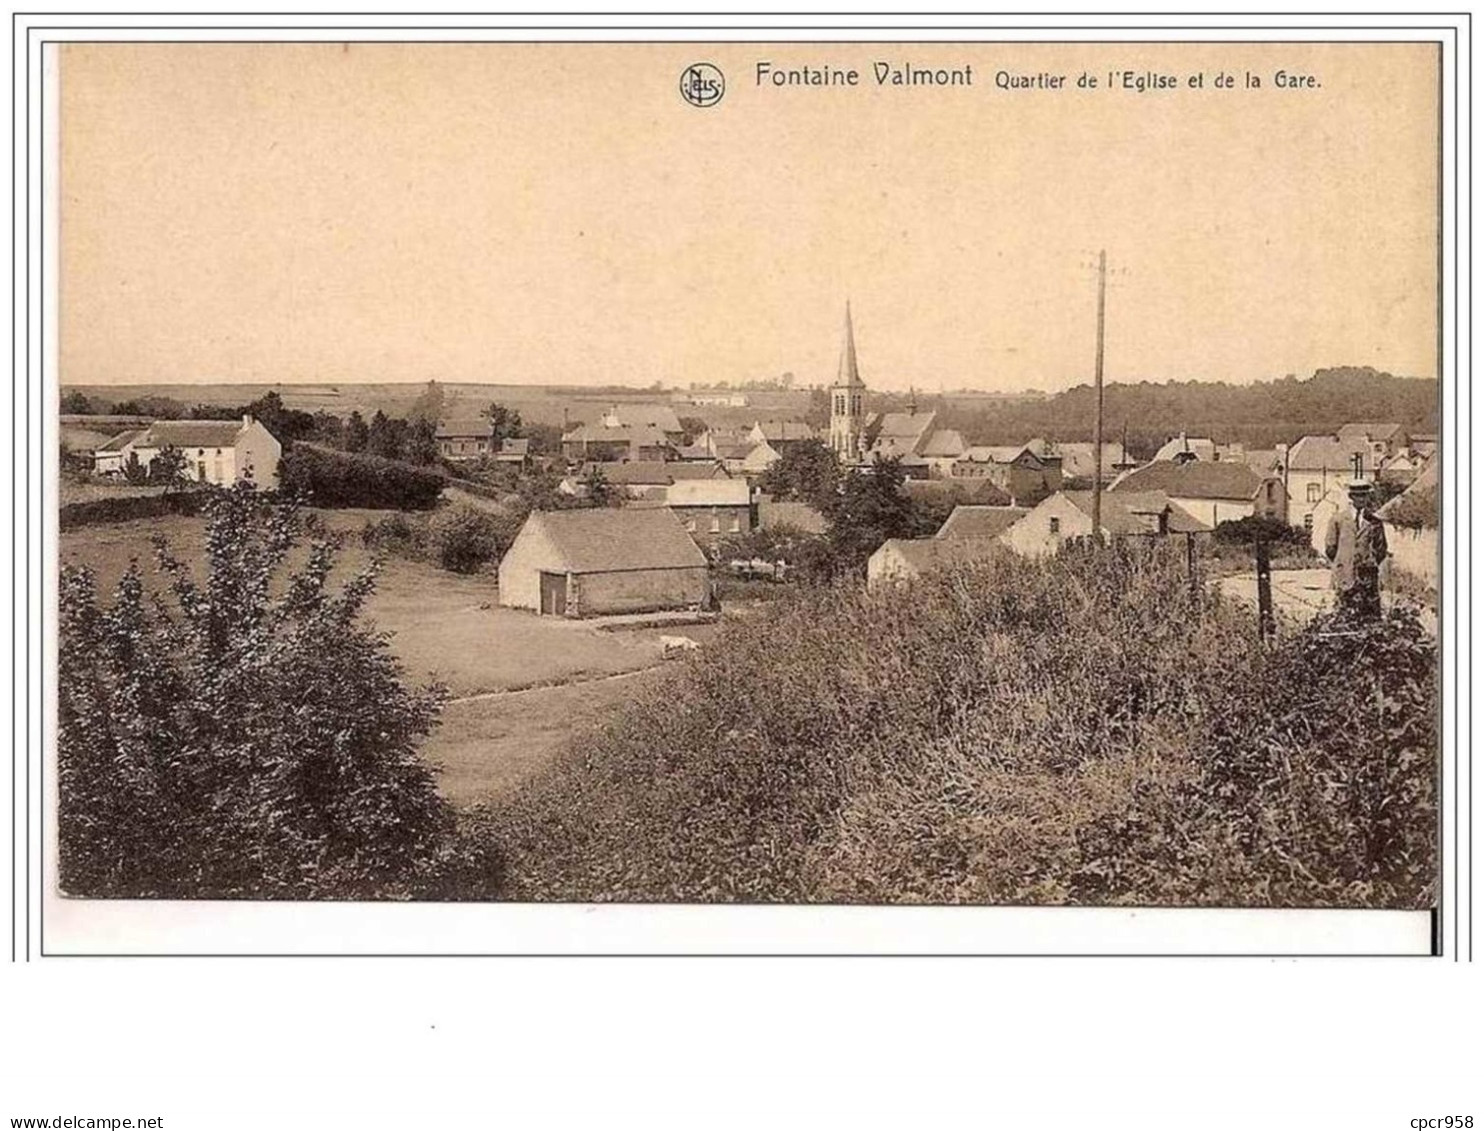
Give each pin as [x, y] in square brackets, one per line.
[447, 627]
[537, 404]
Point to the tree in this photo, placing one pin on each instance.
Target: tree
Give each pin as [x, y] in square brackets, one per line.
[384, 436]
[600, 492]
[422, 441]
[246, 739]
[75, 404]
[693, 427]
[134, 471]
[287, 424]
[817, 415]
[870, 508]
[168, 468]
[808, 472]
[504, 423]
[353, 436]
[429, 404]
[546, 439]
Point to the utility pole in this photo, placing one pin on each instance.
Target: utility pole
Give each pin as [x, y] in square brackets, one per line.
[1097, 434]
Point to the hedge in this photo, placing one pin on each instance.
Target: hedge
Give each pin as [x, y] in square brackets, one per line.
[129, 507]
[331, 478]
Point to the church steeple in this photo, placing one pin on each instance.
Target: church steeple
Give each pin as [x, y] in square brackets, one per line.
[849, 371]
[847, 400]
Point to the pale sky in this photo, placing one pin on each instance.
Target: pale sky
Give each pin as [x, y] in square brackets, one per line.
[559, 214]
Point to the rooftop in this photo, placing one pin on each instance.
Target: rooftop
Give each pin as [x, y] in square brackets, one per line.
[190, 434]
[980, 522]
[607, 540]
[1122, 511]
[1194, 480]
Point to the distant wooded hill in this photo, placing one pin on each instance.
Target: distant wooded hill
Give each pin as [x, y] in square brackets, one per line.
[1258, 415]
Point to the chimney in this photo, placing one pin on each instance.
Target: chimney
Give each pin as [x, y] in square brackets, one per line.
[246, 419]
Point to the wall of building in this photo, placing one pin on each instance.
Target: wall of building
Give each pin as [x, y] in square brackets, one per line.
[707, 524]
[1214, 511]
[520, 568]
[258, 451]
[1033, 535]
[1300, 504]
[636, 591]
[1413, 551]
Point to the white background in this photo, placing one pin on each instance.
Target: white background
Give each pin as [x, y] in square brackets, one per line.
[226, 1043]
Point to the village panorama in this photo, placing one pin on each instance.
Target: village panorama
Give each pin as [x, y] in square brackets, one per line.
[794, 640]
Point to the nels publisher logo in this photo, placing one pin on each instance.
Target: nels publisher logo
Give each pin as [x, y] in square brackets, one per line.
[701, 84]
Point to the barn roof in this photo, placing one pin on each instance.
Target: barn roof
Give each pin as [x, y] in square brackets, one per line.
[190, 434]
[608, 540]
[980, 522]
[1194, 480]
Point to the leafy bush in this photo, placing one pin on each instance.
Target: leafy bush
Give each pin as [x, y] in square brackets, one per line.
[331, 478]
[398, 534]
[126, 508]
[1086, 729]
[463, 539]
[243, 738]
[1254, 528]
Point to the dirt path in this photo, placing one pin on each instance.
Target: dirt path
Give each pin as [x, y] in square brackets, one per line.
[512, 691]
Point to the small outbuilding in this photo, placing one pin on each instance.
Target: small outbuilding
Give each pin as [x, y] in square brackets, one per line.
[603, 561]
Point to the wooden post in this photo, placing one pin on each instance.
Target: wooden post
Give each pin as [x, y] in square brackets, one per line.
[1264, 590]
[1190, 563]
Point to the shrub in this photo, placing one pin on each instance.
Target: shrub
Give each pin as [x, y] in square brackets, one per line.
[330, 478]
[241, 738]
[463, 539]
[397, 534]
[1253, 528]
[126, 508]
[1081, 730]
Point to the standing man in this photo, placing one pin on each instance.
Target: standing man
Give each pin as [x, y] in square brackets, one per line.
[1355, 545]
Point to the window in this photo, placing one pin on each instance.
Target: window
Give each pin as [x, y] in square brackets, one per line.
[1056, 526]
[736, 524]
[1309, 522]
[715, 523]
[690, 524]
[1313, 493]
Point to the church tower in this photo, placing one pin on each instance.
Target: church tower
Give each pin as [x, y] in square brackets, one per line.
[847, 401]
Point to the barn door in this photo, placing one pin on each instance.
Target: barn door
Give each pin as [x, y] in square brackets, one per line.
[554, 594]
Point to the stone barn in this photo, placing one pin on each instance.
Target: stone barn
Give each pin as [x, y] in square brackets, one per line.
[603, 561]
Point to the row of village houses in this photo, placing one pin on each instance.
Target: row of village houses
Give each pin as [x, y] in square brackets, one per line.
[1016, 495]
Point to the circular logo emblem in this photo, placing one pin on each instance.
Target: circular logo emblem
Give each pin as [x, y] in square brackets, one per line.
[701, 84]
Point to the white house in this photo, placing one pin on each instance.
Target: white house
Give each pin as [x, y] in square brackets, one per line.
[216, 451]
[1067, 515]
[1316, 465]
[1212, 492]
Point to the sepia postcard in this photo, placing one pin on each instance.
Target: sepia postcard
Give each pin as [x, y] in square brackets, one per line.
[531, 494]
